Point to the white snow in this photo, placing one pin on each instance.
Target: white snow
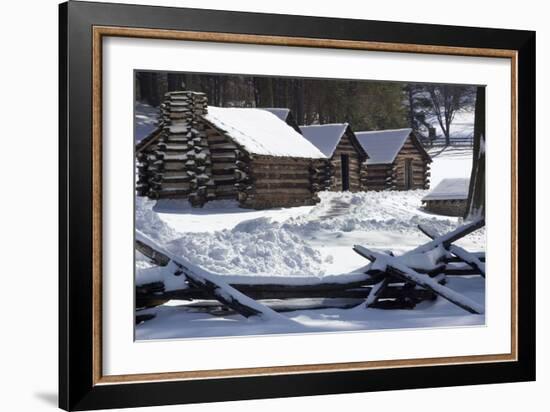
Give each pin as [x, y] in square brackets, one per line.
[164, 274]
[314, 240]
[179, 128]
[382, 146]
[261, 132]
[450, 162]
[325, 136]
[450, 189]
[178, 321]
[202, 276]
[253, 247]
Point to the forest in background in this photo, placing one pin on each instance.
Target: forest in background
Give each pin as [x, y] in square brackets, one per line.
[366, 105]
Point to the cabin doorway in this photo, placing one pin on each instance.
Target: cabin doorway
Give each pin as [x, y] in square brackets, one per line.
[408, 174]
[344, 161]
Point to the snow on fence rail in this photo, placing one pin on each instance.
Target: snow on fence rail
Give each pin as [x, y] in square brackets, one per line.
[388, 282]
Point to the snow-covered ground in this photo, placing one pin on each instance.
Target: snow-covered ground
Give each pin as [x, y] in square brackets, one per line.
[313, 241]
[450, 162]
[177, 321]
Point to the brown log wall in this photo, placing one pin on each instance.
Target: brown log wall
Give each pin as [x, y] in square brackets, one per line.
[345, 147]
[278, 182]
[392, 176]
[419, 165]
[224, 163]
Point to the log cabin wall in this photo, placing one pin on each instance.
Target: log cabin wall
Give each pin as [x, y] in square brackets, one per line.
[392, 176]
[419, 168]
[189, 157]
[177, 164]
[456, 207]
[380, 177]
[321, 175]
[223, 155]
[146, 171]
[277, 182]
[345, 147]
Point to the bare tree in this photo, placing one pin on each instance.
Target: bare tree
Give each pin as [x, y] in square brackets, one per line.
[445, 101]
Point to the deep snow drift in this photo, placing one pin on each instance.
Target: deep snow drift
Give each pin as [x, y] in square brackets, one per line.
[315, 240]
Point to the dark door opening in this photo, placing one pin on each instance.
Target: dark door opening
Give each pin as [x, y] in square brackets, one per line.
[344, 160]
[408, 174]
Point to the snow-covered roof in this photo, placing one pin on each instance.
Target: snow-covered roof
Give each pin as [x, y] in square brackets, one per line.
[261, 132]
[383, 146]
[325, 136]
[450, 189]
[281, 113]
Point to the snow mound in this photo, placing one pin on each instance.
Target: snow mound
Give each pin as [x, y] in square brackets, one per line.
[149, 222]
[257, 246]
[394, 211]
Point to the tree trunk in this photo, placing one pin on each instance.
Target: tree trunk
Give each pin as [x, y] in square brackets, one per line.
[264, 91]
[476, 191]
[299, 99]
[410, 97]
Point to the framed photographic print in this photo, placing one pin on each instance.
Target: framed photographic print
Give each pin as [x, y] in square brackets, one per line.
[259, 205]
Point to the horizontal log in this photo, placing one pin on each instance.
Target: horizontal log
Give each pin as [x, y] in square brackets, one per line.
[224, 157]
[276, 162]
[169, 194]
[379, 175]
[213, 140]
[269, 185]
[261, 293]
[282, 175]
[226, 190]
[223, 146]
[182, 178]
[230, 177]
[221, 171]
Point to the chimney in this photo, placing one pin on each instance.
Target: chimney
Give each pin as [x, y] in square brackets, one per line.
[184, 143]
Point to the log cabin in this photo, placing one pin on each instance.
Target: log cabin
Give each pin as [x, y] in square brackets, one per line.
[202, 153]
[397, 160]
[448, 198]
[346, 155]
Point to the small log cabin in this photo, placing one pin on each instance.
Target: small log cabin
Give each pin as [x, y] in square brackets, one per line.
[397, 160]
[203, 153]
[346, 155]
[448, 198]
